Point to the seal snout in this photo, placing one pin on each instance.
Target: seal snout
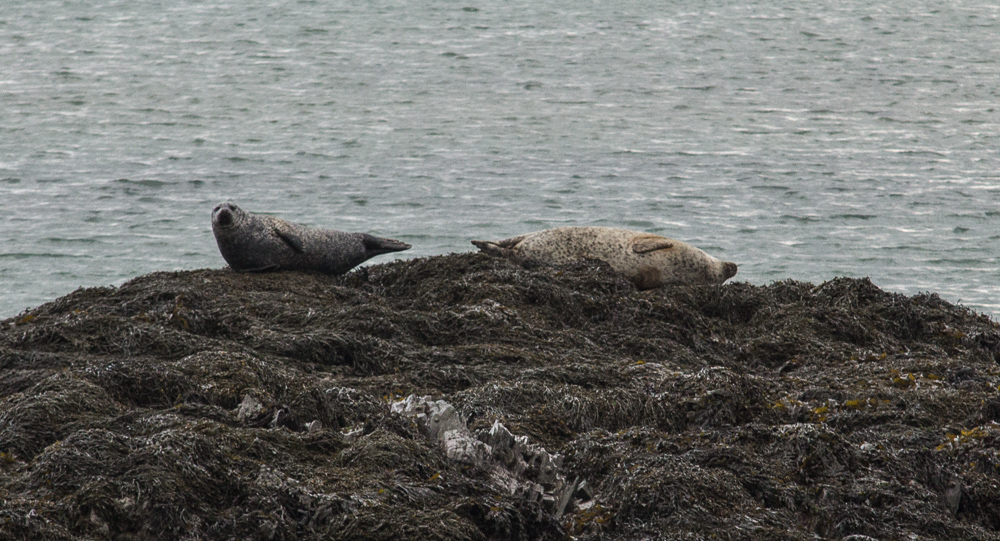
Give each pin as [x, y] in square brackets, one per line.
[728, 269]
[224, 217]
[222, 214]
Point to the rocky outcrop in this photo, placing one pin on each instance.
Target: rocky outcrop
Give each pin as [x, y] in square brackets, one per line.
[563, 402]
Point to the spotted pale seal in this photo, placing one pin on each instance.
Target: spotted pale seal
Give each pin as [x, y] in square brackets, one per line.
[251, 243]
[645, 259]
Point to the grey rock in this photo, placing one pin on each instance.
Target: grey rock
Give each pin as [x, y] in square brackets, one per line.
[249, 408]
[524, 469]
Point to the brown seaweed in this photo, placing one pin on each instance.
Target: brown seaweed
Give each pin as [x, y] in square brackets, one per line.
[211, 404]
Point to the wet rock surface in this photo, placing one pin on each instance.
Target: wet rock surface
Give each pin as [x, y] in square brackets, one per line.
[556, 402]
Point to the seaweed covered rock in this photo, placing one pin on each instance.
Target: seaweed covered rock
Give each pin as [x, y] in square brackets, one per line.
[210, 404]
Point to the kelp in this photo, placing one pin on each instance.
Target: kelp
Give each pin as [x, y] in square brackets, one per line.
[212, 404]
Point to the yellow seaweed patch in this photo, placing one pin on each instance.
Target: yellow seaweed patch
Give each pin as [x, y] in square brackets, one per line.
[819, 414]
[967, 437]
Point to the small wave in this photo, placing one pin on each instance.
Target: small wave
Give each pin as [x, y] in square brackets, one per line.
[854, 216]
[26, 255]
[145, 183]
[801, 219]
[306, 154]
[71, 240]
[767, 110]
[903, 247]
[570, 102]
[641, 224]
[963, 262]
[916, 152]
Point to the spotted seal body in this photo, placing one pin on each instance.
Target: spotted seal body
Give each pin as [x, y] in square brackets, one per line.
[645, 259]
[252, 243]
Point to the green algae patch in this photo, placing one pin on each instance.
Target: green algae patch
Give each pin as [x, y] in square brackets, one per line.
[210, 404]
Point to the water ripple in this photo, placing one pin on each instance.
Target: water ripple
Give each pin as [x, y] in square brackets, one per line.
[802, 141]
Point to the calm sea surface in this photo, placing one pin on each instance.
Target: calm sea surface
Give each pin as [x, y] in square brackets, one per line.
[802, 140]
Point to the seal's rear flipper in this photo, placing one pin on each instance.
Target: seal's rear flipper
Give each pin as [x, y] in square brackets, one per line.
[378, 245]
[503, 248]
[492, 248]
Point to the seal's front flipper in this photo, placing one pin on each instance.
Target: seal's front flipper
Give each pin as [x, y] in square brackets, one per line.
[291, 239]
[378, 245]
[644, 245]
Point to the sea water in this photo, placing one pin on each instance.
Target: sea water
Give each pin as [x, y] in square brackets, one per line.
[800, 140]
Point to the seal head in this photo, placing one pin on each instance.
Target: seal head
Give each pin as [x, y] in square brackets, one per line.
[252, 243]
[227, 216]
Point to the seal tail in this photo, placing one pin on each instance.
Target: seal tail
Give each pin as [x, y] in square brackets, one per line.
[378, 245]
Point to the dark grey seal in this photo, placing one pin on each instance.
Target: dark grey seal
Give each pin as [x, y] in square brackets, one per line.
[252, 243]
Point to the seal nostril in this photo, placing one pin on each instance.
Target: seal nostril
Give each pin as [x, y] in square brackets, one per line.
[224, 217]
